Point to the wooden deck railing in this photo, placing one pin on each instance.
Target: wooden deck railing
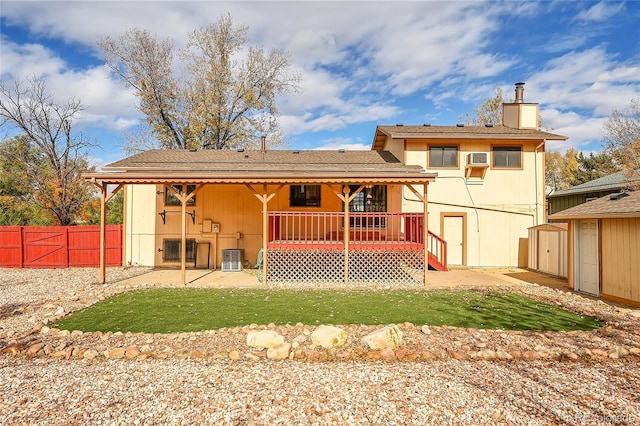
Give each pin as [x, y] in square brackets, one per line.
[388, 231]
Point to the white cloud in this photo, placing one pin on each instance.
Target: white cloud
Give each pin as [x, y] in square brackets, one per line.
[601, 11]
[343, 143]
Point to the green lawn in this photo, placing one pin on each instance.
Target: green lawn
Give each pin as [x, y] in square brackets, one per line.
[186, 310]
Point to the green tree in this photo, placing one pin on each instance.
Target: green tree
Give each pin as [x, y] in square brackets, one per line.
[593, 167]
[224, 98]
[53, 156]
[115, 210]
[18, 205]
[621, 138]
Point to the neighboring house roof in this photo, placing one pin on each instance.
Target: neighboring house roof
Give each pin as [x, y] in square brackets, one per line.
[255, 166]
[610, 182]
[626, 204]
[458, 132]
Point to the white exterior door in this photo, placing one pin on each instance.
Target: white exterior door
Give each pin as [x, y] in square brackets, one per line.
[587, 257]
[454, 236]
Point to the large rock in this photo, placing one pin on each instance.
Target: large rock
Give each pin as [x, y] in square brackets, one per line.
[328, 336]
[280, 351]
[389, 337]
[264, 339]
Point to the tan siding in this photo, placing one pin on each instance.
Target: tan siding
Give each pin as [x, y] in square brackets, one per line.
[620, 258]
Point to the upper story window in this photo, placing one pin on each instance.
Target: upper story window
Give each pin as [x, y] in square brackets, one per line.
[171, 200]
[443, 156]
[304, 196]
[507, 157]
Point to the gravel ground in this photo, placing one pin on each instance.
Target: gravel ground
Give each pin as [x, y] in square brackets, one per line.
[600, 385]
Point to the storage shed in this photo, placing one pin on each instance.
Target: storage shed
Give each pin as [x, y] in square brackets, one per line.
[548, 249]
[604, 247]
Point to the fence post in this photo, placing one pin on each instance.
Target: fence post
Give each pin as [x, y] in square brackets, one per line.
[21, 247]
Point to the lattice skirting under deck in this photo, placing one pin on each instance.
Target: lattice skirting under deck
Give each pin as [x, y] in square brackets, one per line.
[326, 267]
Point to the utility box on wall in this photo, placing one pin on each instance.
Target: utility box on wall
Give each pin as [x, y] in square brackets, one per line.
[232, 260]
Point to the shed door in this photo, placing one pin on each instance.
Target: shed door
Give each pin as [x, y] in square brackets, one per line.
[454, 235]
[587, 257]
[548, 244]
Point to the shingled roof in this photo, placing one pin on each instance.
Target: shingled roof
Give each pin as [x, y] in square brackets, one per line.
[610, 182]
[270, 160]
[255, 166]
[459, 132]
[618, 205]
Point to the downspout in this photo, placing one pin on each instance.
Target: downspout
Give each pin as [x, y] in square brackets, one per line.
[535, 159]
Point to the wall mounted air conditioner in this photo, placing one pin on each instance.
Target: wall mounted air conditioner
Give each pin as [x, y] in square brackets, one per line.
[478, 159]
[232, 260]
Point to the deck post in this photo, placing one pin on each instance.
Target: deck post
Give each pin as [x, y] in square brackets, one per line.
[346, 190]
[183, 254]
[425, 231]
[265, 233]
[264, 198]
[103, 239]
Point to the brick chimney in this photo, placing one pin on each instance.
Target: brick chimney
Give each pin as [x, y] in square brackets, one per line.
[520, 115]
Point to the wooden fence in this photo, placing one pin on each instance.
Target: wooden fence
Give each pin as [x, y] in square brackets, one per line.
[58, 246]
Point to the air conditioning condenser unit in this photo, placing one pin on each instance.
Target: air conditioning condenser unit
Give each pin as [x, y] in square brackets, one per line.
[232, 260]
[478, 159]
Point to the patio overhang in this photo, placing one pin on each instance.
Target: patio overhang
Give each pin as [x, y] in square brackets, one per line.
[264, 174]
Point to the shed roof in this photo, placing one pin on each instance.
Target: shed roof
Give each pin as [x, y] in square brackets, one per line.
[609, 206]
[458, 132]
[610, 182]
[254, 166]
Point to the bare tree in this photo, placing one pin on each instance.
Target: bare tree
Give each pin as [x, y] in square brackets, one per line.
[58, 159]
[489, 111]
[621, 138]
[222, 99]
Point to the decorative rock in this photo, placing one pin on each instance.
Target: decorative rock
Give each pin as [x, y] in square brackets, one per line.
[131, 352]
[503, 355]
[599, 352]
[458, 355]
[634, 351]
[387, 354]
[486, 354]
[328, 336]
[280, 351]
[90, 354]
[251, 357]
[264, 339]
[114, 353]
[34, 349]
[425, 329]
[389, 337]
[234, 354]
[45, 330]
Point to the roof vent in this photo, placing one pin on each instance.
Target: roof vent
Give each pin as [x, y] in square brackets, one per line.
[296, 152]
[341, 150]
[427, 125]
[193, 150]
[488, 125]
[618, 196]
[240, 149]
[459, 125]
[399, 125]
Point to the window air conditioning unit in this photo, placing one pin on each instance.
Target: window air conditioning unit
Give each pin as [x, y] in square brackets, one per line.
[478, 159]
[232, 260]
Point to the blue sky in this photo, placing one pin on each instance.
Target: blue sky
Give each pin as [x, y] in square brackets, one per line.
[362, 63]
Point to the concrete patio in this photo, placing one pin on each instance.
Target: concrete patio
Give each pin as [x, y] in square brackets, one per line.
[247, 278]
